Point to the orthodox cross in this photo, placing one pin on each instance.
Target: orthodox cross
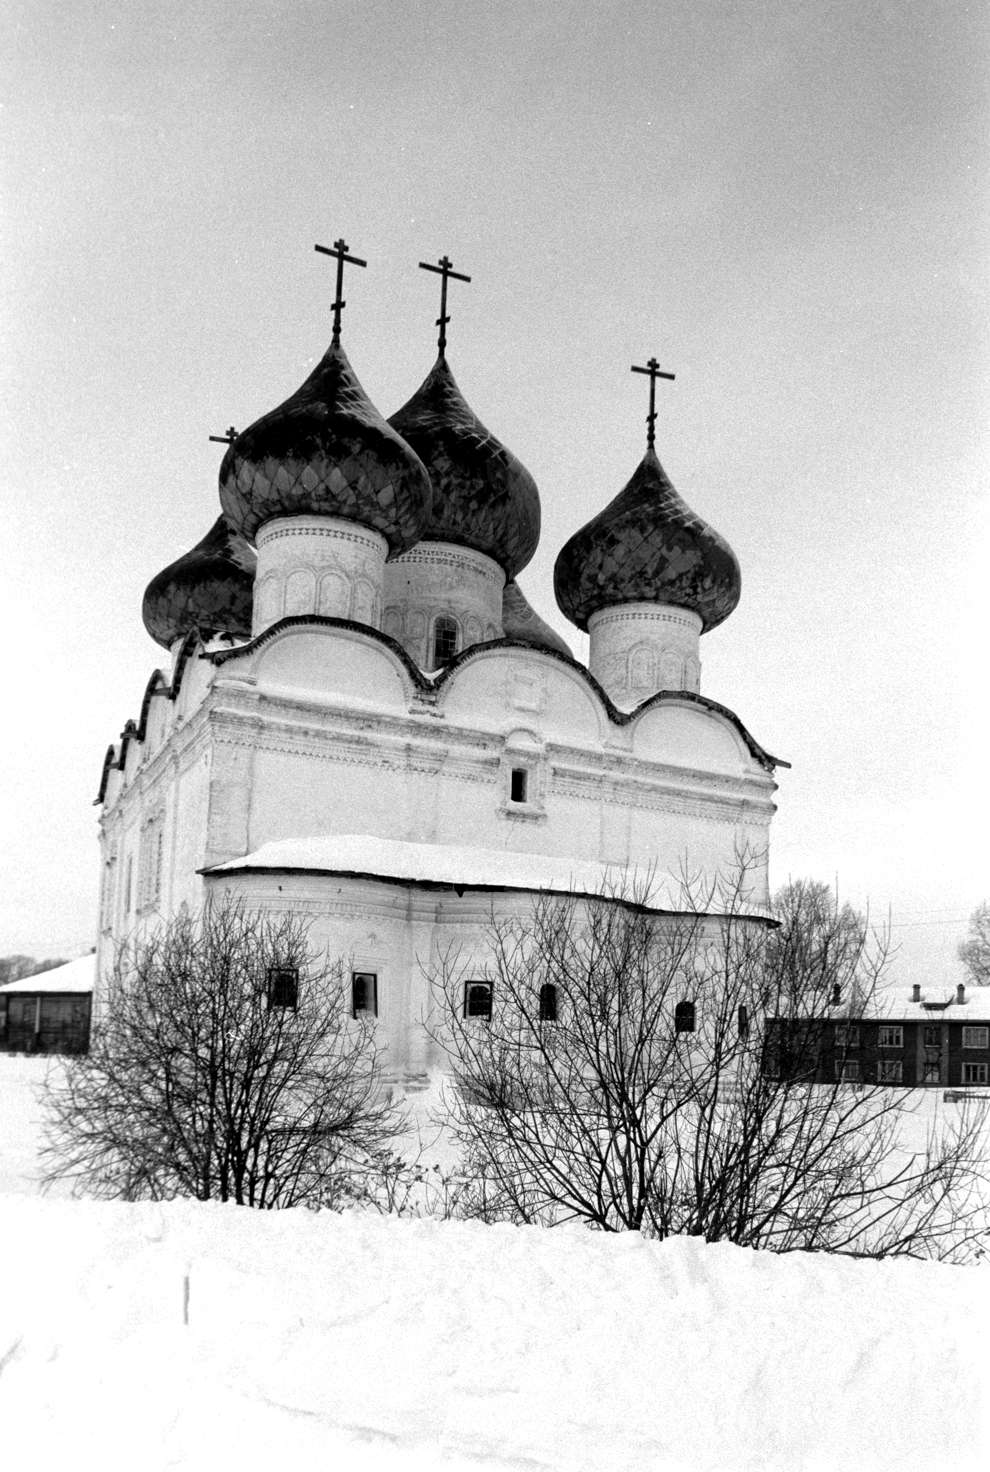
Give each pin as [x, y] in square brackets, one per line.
[339, 249]
[225, 439]
[653, 369]
[444, 270]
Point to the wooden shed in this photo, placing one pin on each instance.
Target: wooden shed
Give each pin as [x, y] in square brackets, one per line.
[50, 1012]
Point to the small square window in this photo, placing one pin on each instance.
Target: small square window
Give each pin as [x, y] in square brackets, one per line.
[364, 993]
[891, 1037]
[890, 1071]
[846, 1035]
[477, 999]
[518, 784]
[283, 986]
[933, 1071]
[974, 1073]
[847, 1071]
[974, 1037]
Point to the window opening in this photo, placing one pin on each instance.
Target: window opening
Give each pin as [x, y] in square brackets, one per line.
[974, 1037]
[283, 986]
[548, 1002]
[933, 1071]
[847, 1071]
[684, 1017]
[974, 1073]
[444, 640]
[933, 1035]
[364, 993]
[846, 1036]
[891, 1037]
[890, 1071]
[744, 1023]
[518, 784]
[477, 999]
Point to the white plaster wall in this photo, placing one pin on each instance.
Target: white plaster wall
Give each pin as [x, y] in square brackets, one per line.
[637, 649]
[437, 579]
[318, 564]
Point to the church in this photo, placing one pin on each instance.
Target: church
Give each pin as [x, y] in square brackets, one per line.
[361, 719]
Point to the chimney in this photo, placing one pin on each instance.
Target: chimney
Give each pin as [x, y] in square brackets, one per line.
[960, 994]
[916, 992]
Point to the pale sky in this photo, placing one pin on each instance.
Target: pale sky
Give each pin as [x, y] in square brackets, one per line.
[786, 202]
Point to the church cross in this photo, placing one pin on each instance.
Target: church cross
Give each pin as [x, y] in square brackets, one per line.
[653, 369]
[444, 270]
[339, 249]
[225, 439]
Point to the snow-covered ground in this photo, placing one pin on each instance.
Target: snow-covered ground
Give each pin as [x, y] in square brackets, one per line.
[207, 1336]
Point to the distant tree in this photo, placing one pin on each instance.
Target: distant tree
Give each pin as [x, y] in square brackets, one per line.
[226, 1067]
[622, 1068]
[15, 968]
[819, 946]
[974, 951]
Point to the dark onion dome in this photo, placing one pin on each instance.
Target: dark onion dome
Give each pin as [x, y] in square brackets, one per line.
[647, 546]
[326, 451]
[483, 497]
[521, 621]
[210, 590]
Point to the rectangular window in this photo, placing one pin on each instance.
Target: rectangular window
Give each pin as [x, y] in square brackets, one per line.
[890, 1071]
[933, 1071]
[846, 1035]
[847, 1072]
[283, 986]
[891, 1037]
[477, 999]
[518, 784]
[974, 1037]
[974, 1073]
[932, 1035]
[548, 1002]
[364, 993]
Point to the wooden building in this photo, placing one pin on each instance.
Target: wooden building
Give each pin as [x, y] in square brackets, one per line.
[49, 1012]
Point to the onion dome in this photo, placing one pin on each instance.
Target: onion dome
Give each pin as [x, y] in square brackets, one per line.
[326, 451]
[483, 497]
[210, 590]
[521, 621]
[647, 546]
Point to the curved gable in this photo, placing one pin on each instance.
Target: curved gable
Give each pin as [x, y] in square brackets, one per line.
[333, 656]
[490, 684]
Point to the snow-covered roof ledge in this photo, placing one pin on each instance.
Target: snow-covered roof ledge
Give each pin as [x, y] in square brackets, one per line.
[460, 867]
[74, 976]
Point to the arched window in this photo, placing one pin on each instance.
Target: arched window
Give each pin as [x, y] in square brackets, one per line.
[548, 1002]
[684, 1017]
[444, 640]
[744, 1023]
[477, 999]
[364, 993]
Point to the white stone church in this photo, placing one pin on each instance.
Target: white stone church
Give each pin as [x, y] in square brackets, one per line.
[363, 720]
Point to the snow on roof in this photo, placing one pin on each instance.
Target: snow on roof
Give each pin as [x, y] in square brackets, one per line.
[457, 867]
[934, 1003]
[74, 976]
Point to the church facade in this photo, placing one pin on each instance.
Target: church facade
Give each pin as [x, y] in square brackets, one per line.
[362, 719]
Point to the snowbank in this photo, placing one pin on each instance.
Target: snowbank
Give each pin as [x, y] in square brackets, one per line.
[206, 1336]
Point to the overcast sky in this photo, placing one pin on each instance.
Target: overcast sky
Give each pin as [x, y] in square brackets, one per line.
[786, 202]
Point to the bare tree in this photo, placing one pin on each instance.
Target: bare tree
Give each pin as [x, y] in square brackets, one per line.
[226, 1067]
[974, 951]
[658, 1072]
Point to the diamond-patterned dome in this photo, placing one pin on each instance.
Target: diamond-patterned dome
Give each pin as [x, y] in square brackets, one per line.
[521, 621]
[210, 589]
[647, 546]
[483, 497]
[327, 451]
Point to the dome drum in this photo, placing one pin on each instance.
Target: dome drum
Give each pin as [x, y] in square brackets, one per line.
[440, 598]
[318, 565]
[637, 649]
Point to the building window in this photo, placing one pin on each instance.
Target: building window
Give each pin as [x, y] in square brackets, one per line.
[891, 1037]
[477, 999]
[364, 993]
[548, 1002]
[932, 1035]
[933, 1071]
[518, 783]
[283, 986]
[974, 1073]
[890, 1071]
[444, 640]
[128, 887]
[847, 1071]
[150, 867]
[846, 1035]
[684, 1017]
[744, 1023]
[974, 1037]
